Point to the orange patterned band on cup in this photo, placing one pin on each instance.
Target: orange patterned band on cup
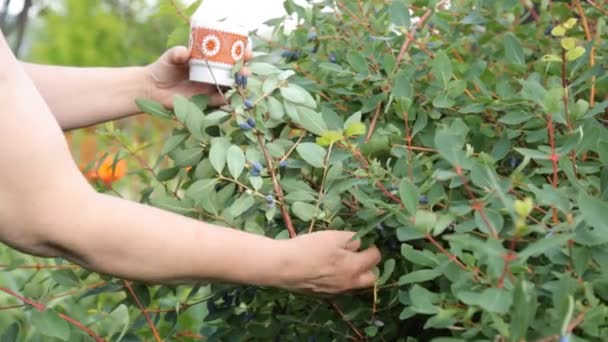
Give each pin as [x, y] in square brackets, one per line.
[217, 46]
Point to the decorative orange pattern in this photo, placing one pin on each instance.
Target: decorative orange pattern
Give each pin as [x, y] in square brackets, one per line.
[216, 46]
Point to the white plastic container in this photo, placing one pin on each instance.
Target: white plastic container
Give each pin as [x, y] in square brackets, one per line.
[215, 47]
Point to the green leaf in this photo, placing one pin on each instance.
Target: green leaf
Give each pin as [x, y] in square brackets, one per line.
[422, 300]
[358, 62]
[568, 43]
[419, 276]
[389, 268]
[312, 121]
[120, 321]
[201, 188]
[168, 174]
[513, 49]
[298, 95]
[524, 306]
[594, 212]
[153, 108]
[173, 205]
[543, 245]
[236, 161]
[534, 154]
[355, 129]
[558, 31]
[304, 211]
[442, 68]
[409, 195]
[403, 85]
[184, 109]
[313, 154]
[329, 138]
[425, 220]
[491, 299]
[400, 13]
[422, 258]
[218, 153]
[173, 142]
[241, 205]
[533, 91]
[187, 157]
[575, 53]
[48, 323]
[263, 69]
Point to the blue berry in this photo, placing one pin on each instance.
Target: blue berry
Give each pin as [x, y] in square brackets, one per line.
[287, 54]
[270, 198]
[380, 227]
[283, 163]
[514, 162]
[251, 122]
[423, 200]
[245, 126]
[248, 104]
[565, 338]
[244, 81]
[238, 79]
[548, 29]
[333, 58]
[312, 35]
[257, 165]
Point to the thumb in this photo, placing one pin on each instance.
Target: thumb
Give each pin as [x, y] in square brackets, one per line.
[178, 55]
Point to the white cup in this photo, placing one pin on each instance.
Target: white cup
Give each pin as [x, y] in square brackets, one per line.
[215, 47]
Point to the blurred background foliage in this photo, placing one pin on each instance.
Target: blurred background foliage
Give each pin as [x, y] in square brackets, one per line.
[106, 33]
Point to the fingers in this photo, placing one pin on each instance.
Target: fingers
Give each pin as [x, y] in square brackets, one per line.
[365, 280]
[367, 259]
[217, 100]
[179, 55]
[353, 245]
[249, 52]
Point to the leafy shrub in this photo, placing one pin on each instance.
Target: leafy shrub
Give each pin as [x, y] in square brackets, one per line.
[468, 144]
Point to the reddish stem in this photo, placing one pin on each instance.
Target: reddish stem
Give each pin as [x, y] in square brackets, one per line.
[508, 258]
[408, 138]
[41, 308]
[349, 323]
[554, 160]
[476, 204]
[143, 309]
[277, 188]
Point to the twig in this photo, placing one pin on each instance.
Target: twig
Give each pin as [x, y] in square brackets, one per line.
[143, 309]
[589, 38]
[41, 308]
[349, 323]
[277, 188]
[477, 205]
[321, 189]
[372, 124]
[598, 7]
[554, 160]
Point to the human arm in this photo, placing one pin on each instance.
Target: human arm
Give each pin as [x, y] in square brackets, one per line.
[80, 97]
[48, 209]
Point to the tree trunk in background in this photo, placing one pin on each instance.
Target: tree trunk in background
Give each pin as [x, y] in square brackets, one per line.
[4, 14]
[21, 24]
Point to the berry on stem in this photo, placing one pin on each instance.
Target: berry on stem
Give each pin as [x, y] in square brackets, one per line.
[248, 104]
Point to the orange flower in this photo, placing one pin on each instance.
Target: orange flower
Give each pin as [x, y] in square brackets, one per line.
[107, 172]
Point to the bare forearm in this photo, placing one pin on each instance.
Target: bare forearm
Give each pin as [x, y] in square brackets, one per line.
[142, 243]
[80, 97]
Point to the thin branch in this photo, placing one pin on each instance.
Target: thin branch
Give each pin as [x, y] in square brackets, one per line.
[41, 308]
[143, 309]
[277, 188]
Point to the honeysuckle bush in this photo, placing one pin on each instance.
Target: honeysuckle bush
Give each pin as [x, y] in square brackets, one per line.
[467, 142]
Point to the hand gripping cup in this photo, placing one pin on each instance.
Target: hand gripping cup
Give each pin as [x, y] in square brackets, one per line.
[215, 47]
